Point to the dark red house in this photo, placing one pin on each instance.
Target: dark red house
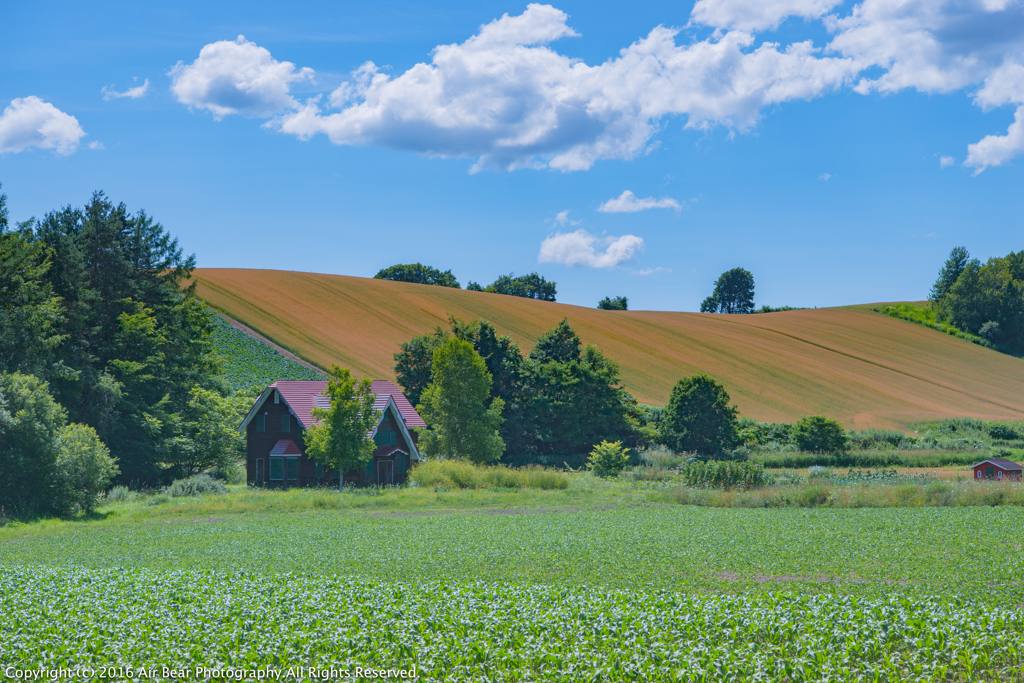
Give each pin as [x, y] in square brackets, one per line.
[274, 428]
[999, 469]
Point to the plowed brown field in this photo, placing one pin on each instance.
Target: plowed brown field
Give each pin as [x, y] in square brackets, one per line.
[866, 369]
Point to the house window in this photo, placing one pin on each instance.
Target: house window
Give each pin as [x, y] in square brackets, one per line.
[292, 468]
[286, 423]
[277, 397]
[394, 438]
[319, 470]
[261, 423]
[276, 469]
[990, 472]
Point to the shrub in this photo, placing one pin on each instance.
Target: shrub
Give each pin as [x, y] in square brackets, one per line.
[540, 478]
[232, 474]
[863, 459]
[723, 474]
[877, 439]
[939, 493]
[84, 469]
[820, 434]
[119, 494]
[762, 434]
[196, 485]
[608, 459]
[812, 496]
[660, 458]
[1003, 432]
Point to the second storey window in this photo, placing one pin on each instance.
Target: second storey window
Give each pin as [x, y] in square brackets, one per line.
[261, 423]
[286, 423]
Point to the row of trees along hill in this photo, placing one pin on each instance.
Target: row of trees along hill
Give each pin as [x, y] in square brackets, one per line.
[532, 286]
[551, 406]
[984, 299]
[92, 308]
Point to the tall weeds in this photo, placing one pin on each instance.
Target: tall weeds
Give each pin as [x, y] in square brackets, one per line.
[453, 474]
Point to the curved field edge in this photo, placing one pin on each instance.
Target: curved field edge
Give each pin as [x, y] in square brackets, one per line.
[243, 622]
[863, 368]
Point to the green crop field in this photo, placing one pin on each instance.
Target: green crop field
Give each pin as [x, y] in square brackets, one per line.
[119, 622]
[552, 587]
[249, 364]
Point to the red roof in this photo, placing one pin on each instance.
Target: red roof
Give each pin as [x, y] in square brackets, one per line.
[1001, 463]
[285, 447]
[304, 395]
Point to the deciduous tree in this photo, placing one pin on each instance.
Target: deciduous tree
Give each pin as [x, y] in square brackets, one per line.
[419, 274]
[734, 293]
[699, 418]
[341, 440]
[619, 303]
[455, 407]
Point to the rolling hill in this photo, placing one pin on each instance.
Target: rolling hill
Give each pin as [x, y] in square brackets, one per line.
[866, 369]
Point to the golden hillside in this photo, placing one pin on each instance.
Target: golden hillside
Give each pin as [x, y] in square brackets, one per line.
[858, 366]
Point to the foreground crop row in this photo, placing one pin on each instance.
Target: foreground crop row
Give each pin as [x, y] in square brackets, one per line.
[478, 631]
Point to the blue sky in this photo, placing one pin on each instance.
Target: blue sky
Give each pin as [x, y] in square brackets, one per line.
[837, 151]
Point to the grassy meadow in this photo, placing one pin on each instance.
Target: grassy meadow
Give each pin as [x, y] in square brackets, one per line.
[853, 364]
[597, 580]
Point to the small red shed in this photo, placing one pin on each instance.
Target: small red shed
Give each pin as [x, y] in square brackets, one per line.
[999, 469]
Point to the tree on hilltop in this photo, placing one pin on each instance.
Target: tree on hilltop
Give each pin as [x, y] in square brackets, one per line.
[734, 293]
[419, 274]
[619, 303]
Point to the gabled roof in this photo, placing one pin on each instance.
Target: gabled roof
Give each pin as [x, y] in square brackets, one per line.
[301, 396]
[285, 447]
[1001, 463]
[385, 451]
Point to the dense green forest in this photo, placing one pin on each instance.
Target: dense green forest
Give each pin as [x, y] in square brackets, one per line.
[94, 308]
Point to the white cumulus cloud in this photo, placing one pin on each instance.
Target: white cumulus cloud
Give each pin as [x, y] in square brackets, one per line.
[942, 46]
[757, 15]
[31, 122]
[627, 202]
[131, 93]
[237, 77]
[507, 99]
[580, 248]
[946, 162]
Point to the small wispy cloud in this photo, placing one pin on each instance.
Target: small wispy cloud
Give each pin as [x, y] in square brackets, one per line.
[562, 218]
[627, 202]
[580, 248]
[651, 271]
[824, 177]
[946, 162]
[96, 144]
[132, 93]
